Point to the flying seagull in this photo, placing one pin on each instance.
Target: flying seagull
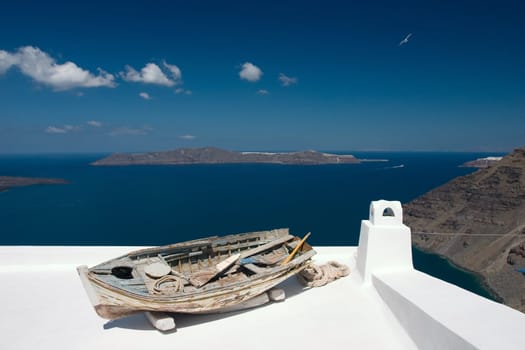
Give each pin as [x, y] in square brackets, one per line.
[405, 40]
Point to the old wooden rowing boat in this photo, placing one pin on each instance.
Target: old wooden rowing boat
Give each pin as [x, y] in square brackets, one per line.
[199, 276]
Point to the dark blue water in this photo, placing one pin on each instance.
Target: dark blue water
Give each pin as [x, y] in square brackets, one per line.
[153, 205]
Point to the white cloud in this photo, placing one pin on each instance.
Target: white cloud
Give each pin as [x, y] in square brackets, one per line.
[7, 60]
[67, 128]
[287, 81]
[152, 74]
[124, 130]
[71, 127]
[42, 68]
[187, 137]
[117, 131]
[145, 95]
[176, 74]
[94, 123]
[250, 72]
[55, 130]
[262, 92]
[183, 91]
[64, 129]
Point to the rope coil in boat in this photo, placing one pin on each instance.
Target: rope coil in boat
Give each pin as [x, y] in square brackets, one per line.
[177, 284]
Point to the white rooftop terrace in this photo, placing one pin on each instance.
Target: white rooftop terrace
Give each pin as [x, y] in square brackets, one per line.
[384, 303]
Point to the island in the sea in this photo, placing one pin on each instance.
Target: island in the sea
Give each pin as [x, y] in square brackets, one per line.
[7, 182]
[212, 155]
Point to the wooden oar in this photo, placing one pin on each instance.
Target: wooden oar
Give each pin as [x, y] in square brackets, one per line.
[296, 249]
[200, 278]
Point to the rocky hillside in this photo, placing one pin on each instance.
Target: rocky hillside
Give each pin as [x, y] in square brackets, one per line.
[481, 162]
[212, 155]
[485, 213]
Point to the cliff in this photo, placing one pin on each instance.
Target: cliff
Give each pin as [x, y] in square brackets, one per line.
[481, 162]
[478, 221]
[211, 155]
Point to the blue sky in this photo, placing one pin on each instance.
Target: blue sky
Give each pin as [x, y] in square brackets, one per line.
[262, 75]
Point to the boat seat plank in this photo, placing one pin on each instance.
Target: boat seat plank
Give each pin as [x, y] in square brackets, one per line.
[254, 268]
[172, 247]
[266, 246]
[237, 246]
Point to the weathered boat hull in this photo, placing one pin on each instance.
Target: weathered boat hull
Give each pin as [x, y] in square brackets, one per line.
[114, 301]
[112, 304]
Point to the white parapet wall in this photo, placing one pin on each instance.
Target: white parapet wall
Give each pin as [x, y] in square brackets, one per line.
[439, 315]
[434, 313]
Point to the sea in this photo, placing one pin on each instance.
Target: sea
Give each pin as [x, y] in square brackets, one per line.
[155, 205]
